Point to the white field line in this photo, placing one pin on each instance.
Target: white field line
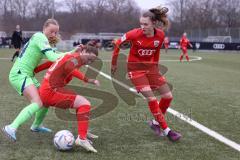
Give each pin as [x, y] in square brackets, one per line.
[192, 58]
[181, 116]
[5, 58]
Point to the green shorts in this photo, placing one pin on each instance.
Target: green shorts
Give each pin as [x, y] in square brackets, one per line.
[20, 81]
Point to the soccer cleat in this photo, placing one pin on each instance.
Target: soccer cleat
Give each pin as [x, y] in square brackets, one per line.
[91, 136]
[40, 129]
[85, 144]
[174, 136]
[156, 128]
[91, 142]
[10, 132]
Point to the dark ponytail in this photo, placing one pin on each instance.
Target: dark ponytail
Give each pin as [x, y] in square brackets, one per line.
[158, 14]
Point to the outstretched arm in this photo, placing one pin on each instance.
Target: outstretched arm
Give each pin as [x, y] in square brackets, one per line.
[76, 73]
[115, 54]
[79, 75]
[43, 66]
[129, 36]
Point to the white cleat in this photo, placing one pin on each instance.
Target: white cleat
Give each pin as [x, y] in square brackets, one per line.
[85, 144]
[91, 136]
[9, 132]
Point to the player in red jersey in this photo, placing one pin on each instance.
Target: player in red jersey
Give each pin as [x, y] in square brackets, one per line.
[53, 93]
[143, 68]
[166, 44]
[184, 42]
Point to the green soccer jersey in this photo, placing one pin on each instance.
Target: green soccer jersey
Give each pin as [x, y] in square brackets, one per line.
[33, 52]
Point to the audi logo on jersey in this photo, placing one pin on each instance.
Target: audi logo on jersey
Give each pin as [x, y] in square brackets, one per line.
[146, 52]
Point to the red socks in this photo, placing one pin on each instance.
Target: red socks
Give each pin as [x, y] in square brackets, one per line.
[83, 117]
[157, 113]
[164, 104]
[181, 57]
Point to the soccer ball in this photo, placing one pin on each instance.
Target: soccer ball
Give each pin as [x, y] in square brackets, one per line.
[63, 140]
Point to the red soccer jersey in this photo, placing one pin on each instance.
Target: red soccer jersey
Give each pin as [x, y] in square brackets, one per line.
[61, 72]
[184, 42]
[143, 49]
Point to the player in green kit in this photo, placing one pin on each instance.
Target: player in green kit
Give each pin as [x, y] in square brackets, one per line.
[22, 78]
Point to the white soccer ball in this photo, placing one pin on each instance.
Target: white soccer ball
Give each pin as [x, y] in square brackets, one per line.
[63, 140]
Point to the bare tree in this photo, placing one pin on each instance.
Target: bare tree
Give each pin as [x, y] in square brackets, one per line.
[8, 8]
[228, 12]
[20, 8]
[42, 8]
[203, 14]
[84, 16]
[181, 11]
[75, 6]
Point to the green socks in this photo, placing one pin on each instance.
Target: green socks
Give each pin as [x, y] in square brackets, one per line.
[39, 116]
[25, 115]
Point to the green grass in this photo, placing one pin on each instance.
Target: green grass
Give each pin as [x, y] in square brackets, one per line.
[208, 91]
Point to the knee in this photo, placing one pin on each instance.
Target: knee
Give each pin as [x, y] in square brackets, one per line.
[86, 102]
[167, 95]
[40, 104]
[80, 101]
[150, 99]
[38, 101]
[147, 93]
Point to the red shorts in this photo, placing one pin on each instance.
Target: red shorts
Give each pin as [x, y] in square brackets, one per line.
[58, 97]
[142, 79]
[184, 50]
[166, 46]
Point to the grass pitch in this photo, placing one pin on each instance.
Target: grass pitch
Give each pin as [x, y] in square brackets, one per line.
[207, 91]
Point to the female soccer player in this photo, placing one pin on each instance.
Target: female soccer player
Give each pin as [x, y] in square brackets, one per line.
[184, 42]
[53, 93]
[16, 41]
[166, 44]
[22, 78]
[143, 68]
